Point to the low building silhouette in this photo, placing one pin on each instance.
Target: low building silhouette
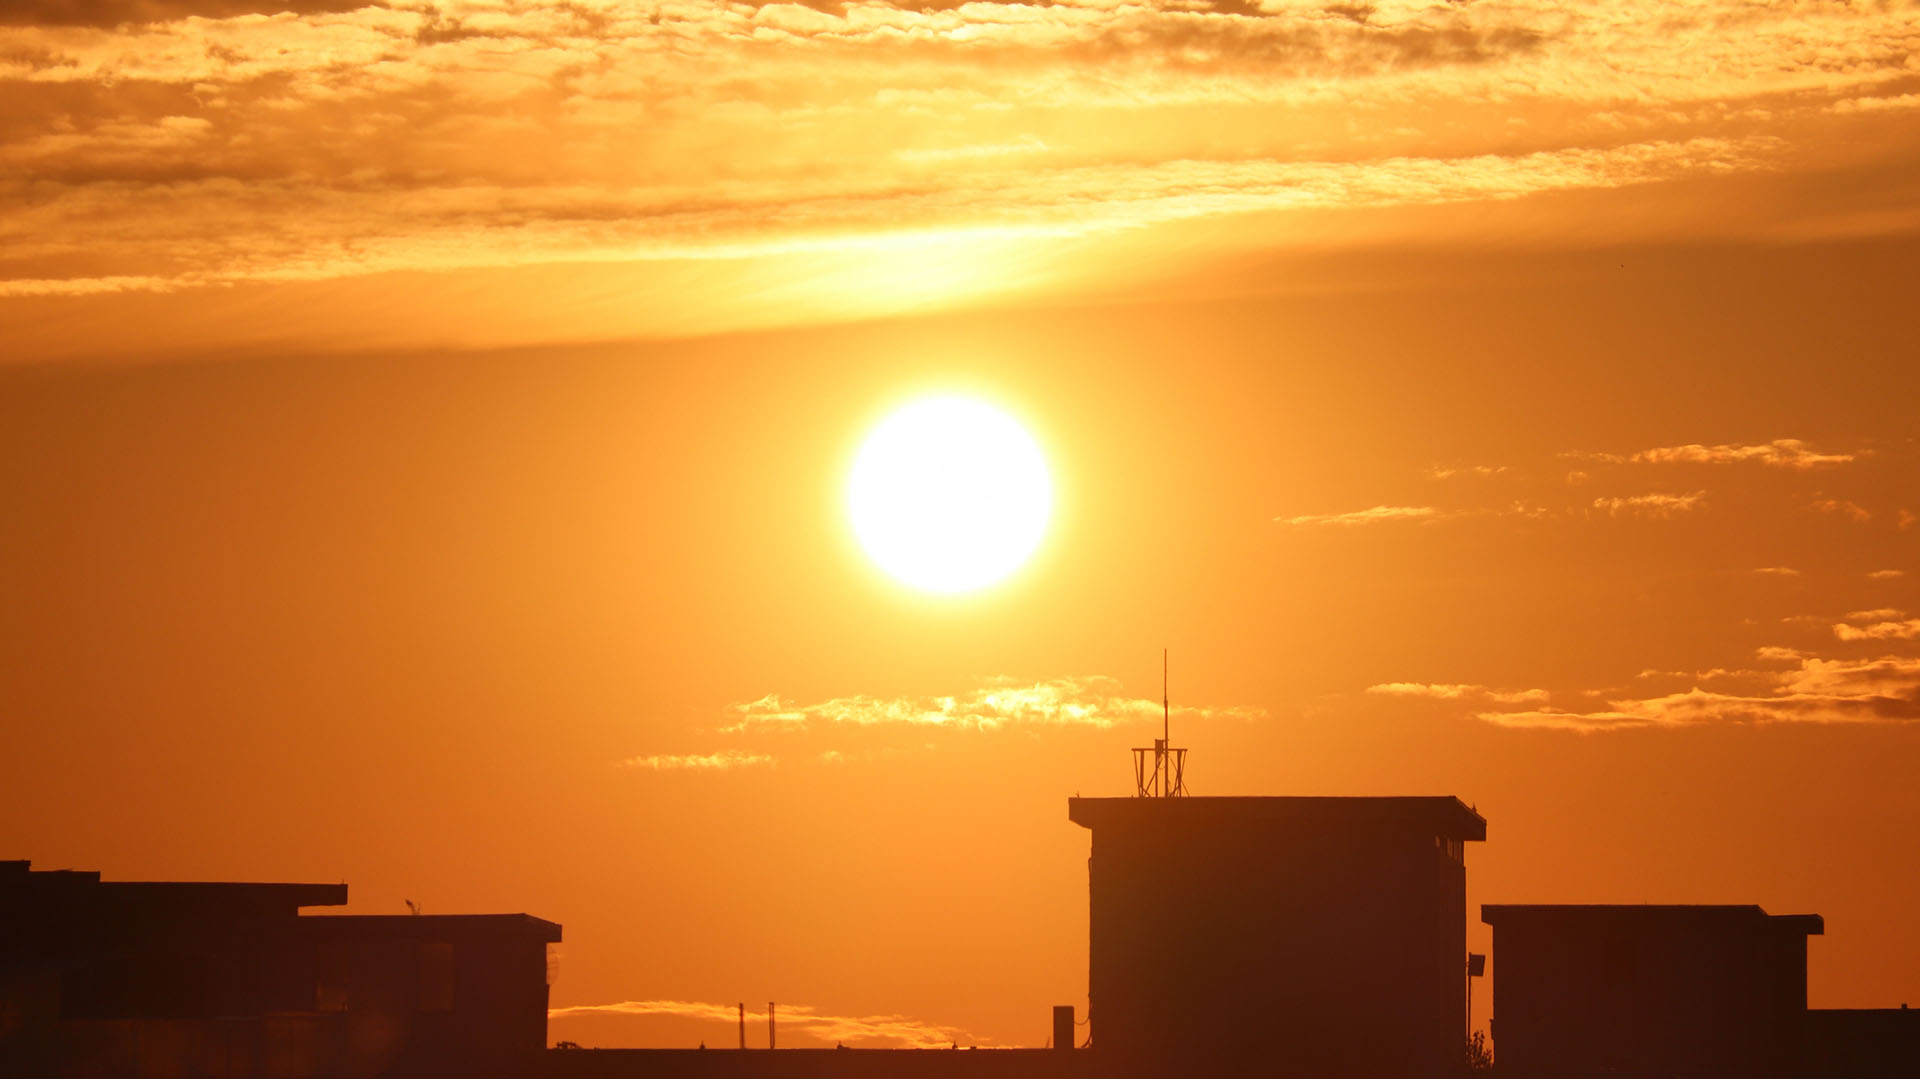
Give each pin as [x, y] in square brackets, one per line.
[1648, 990]
[1861, 1043]
[230, 981]
[1677, 992]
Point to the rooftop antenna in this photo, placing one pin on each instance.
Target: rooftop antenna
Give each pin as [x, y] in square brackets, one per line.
[1163, 774]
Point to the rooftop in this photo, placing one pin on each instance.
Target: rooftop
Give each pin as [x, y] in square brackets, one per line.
[1443, 815]
[1649, 914]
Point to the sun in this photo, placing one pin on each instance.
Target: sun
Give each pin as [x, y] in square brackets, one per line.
[949, 494]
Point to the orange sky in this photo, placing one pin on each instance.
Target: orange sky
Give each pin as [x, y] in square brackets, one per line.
[423, 429]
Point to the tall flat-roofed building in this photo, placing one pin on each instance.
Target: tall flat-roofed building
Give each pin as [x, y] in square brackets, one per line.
[1308, 936]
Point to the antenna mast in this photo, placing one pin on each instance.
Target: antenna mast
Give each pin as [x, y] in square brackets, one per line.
[1159, 771]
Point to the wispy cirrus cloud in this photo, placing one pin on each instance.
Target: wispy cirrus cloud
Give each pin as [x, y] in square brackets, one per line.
[880, 1031]
[1439, 472]
[720, 761]
[154, 145]
[1886, 574]
[1091, 701]
[1374, 515]
[1877, 690]
[1886, 630]
[1453, 691]
[1780, 453]
[1776, 571]
[1659, 506]
[1841, 507]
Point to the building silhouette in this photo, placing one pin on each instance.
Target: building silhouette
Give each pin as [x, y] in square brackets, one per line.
[1700, 992]
[1228, 934]
[159, 980]
[1315, 937]
[1685, 990]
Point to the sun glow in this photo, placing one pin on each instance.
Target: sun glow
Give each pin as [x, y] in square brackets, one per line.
[949, 494]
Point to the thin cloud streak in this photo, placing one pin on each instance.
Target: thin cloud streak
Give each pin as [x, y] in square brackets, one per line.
[1880, 631]
[192, 233]
[1789, 453]
[884, 1031]
[1880, 690]
[721, 761]
[1061, 702]
[1458, 691]
[1658, 506]
[1366, 516]
[1842, 507]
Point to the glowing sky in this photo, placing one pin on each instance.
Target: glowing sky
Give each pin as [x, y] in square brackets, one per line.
[424, 431]
[783, 163]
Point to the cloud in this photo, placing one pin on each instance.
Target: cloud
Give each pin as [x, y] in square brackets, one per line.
[1883, 689]
[1850, 510]
[1367, 516]
[1906, 630]
[1659, 506]
[881, 1031]
[194, 232]
[1457, 691]
[318, 139]
[1776, 571]
[1871, 104]
[1091, 701]
[721, 761]
[111, 13]
[1886, 574]
[1480, 471]
[1780, 453]
[1794, 687]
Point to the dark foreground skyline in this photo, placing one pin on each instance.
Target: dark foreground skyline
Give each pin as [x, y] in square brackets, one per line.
[1320, 936]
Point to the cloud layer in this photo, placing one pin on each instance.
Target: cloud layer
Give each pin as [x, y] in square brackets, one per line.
[154, 145]
[1812, 690]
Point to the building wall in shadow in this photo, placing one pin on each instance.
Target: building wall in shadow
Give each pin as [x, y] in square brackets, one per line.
[1861, 1043]
[230, 981]
[1309, 936]
[1705, 991]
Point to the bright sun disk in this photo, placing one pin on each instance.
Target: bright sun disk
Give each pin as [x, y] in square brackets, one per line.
[949, 494]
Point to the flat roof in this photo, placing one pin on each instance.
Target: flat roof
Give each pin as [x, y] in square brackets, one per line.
[1648, 913]
[1442, 815]
[19, 879]
[214, 893]
[434, 925]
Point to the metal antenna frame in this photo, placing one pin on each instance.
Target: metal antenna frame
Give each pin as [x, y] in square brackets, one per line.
[1166, 778]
